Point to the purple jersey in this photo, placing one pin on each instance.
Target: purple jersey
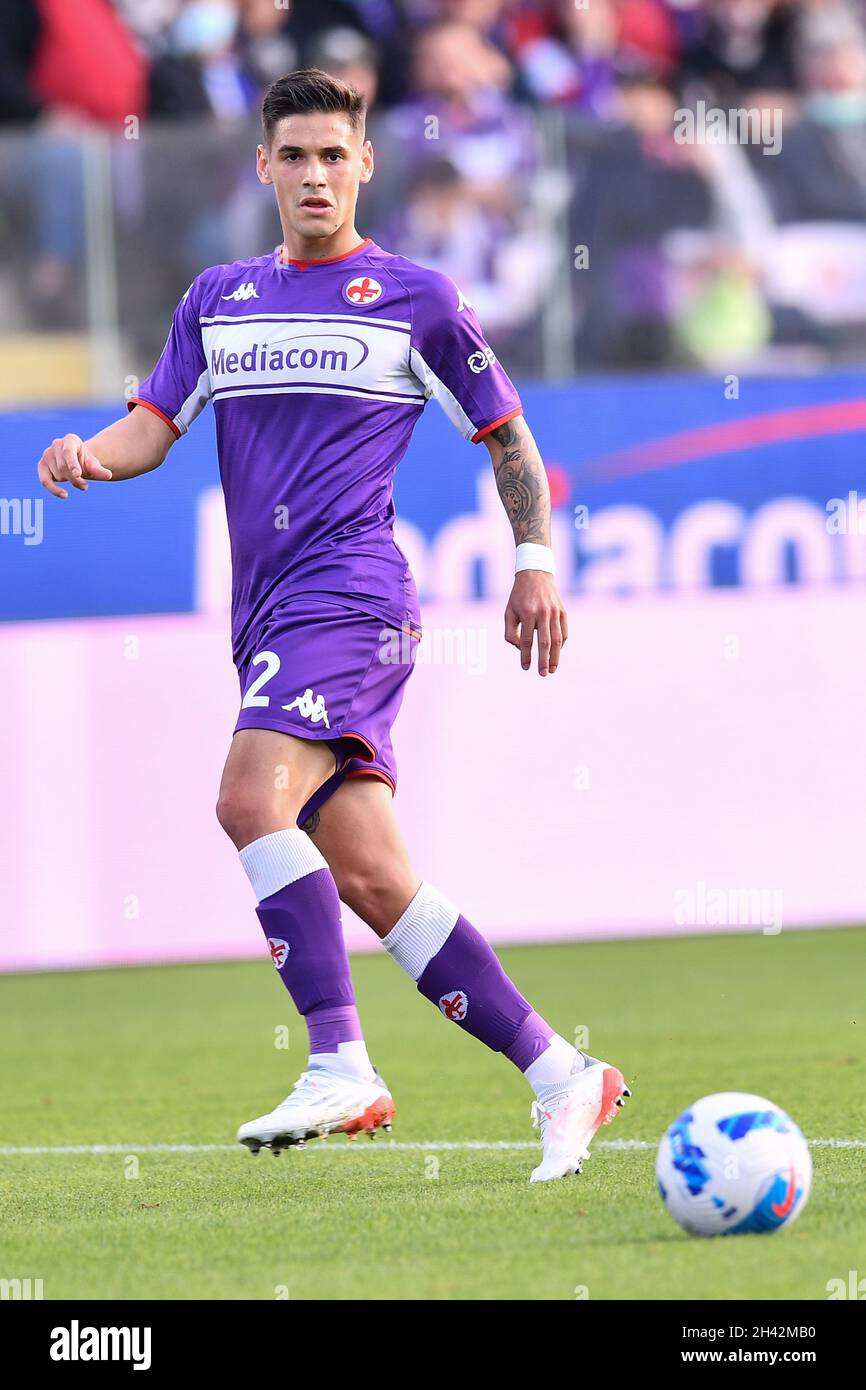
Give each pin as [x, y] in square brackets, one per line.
[318, 372]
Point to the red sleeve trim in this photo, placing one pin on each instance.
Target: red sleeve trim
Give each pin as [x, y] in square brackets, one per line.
[136, 400]
[476, 438]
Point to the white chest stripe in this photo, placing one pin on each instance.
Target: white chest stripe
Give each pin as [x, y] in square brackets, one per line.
[331, 353]
[208, 319]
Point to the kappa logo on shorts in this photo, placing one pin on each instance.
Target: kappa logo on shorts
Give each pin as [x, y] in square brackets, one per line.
[279, 949]
[455, 1005]
[310, 707]
[362, 290]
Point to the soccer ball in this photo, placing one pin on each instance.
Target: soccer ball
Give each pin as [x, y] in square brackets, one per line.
[733, 1163]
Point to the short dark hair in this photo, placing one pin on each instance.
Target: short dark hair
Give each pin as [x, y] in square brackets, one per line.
[308, 90]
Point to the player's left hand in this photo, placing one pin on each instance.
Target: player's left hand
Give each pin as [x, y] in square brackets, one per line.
[535, 606]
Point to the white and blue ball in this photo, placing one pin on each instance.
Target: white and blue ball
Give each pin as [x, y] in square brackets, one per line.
[734, 1163]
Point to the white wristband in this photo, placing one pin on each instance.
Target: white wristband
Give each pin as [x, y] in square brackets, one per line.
[534, 557]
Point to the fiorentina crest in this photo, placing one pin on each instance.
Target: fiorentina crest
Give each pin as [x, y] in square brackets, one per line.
[362, 290]
[455, 1005]
[279, 950]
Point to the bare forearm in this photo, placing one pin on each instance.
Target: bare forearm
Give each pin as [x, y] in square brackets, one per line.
[125, 449]
[534, 607]
[521, 481]
[133, 445]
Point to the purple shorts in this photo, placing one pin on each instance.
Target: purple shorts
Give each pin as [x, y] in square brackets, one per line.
[321, 671]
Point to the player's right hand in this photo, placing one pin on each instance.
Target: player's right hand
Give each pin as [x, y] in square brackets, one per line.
[68, 460]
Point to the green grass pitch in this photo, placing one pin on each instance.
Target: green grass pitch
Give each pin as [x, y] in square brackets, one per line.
[184, 1054]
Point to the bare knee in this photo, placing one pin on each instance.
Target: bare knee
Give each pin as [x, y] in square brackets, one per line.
[245, 814]
[266, 781]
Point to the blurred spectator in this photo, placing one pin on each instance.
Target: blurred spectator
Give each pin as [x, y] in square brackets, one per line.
[269, 50]
[346, 54]
[722, 321]
[201, 73]
[577, 56]
[79, 59]
[699, 253]
[815, 259]
[743, 45]
[484, 15]
[62, 68]
[820, 171]
[459, 108]
[567, 55]
[307, 20]
[42, 183]
[148, 20]
[487, 16]
[639, 186]
[217, 56]
[502, 269]
[19, 25]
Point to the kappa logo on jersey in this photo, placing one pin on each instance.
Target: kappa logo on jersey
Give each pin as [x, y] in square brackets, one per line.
[246, 291]
[310, 707]
[480, 361]
[279, 949]
[454, 1006]
[361, 291]
[462, 301]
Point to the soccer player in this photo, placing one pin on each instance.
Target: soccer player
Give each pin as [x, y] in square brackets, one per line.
[319, 359]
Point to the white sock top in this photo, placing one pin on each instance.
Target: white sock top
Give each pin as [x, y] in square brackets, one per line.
[274, 861]
[422, 931]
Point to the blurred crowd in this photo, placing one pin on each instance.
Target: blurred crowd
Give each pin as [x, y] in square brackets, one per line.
[525, 146]
[99, 60]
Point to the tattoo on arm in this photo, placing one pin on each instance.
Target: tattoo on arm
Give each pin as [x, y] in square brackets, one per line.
[311, 824]
[522, 484]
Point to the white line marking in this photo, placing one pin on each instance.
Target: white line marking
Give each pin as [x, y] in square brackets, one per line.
[381, 1146]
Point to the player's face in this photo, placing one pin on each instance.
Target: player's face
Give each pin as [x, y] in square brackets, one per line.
[316, 164]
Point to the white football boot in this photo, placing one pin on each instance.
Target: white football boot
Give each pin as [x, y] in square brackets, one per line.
[572, 1113]
[322, 1102]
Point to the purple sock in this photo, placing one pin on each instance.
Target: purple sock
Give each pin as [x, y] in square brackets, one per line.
[470, 987]
[299, 910]
[530, 1041]
[456, 969]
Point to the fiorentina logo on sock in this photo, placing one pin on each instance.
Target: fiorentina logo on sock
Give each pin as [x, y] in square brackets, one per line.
[455, 1005]
[279, 951]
